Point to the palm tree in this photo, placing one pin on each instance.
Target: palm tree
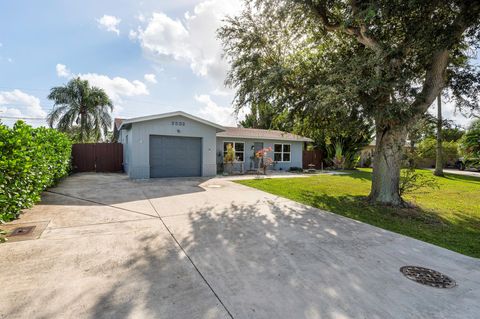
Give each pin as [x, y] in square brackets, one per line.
[81, 109]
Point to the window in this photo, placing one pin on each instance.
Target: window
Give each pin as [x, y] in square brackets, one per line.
[281, 152]
[239, 148]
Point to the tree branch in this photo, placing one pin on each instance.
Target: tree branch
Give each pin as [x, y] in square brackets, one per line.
[435, 75]
[321, 12]
[360, 32]
[434, 81]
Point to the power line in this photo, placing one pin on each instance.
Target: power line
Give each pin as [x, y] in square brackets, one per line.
[125, 100]
[20, 88]
[45, 89]
[20, 106]
[23, 118]
[48, 89]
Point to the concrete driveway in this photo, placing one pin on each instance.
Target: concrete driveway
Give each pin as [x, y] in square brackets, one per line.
[109, 247]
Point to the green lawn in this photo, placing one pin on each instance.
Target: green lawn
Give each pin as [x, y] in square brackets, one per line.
[448, 216]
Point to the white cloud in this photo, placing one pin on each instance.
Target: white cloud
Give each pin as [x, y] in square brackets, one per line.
[215, 113]
[150, 78]
[62, 71]
[20, 104]
[116, 87]
[450, 113]
[140, 17]
[221, 92]
[132, 34]
[109, 23]
[192, 40]
[165, 36]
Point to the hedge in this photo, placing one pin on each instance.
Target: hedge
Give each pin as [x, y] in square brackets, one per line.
[427, 150]
[31, 159]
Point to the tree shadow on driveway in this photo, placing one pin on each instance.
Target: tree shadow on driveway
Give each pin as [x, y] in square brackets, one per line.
[277, 260]
[163, 284]
[262, 257]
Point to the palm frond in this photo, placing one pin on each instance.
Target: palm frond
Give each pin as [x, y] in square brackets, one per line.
[81, 109]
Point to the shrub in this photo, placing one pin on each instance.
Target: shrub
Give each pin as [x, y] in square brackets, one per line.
[367, 162]
[338, 159]
[470, 142]
[412, 180]
[427, 150]
[265, 161]
[230, 154]
[31, 159]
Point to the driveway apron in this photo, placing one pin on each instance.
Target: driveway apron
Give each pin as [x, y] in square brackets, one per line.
[110, 247]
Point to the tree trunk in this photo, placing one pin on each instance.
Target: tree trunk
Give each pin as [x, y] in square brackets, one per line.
[390, 142]
[82, 126]
[439, 156]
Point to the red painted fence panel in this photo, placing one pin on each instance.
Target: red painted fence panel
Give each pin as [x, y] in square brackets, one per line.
[97, 157]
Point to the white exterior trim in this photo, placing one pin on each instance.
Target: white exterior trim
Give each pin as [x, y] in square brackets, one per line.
[171, 114]
[235, 151]
[282, 152]
[261, 138]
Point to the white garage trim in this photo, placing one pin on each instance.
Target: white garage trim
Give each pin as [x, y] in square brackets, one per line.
[171, 114]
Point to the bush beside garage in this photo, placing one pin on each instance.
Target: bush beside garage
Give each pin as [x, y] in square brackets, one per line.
[31, 160]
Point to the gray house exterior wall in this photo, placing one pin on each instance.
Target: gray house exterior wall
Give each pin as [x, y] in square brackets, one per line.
[137, 153]
[125, 137]
[296, 152]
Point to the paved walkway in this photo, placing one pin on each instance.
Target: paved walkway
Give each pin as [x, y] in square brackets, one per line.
[110, 247]
[280, 174]
[459, 172]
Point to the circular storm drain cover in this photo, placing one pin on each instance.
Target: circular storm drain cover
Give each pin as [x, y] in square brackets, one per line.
[427, 277]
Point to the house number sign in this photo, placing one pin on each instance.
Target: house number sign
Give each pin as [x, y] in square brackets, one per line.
[175, 123]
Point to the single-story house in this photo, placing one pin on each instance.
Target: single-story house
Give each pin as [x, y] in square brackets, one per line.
[180, 144]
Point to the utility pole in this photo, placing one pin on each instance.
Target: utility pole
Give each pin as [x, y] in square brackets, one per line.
[439, 157]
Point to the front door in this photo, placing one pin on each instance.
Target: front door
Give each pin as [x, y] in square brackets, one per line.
[257, 146]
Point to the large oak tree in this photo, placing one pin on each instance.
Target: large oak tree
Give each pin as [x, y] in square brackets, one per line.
[385, 60]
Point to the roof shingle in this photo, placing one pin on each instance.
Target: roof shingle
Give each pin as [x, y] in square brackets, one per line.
[254, 133]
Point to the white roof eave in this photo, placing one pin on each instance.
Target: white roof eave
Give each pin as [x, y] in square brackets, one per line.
[300, 139]
[171, 114]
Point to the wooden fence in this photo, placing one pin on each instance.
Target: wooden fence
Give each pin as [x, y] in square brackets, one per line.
[314, 157]
[97, 157]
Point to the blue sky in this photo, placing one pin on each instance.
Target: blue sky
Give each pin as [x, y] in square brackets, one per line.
[150, 56]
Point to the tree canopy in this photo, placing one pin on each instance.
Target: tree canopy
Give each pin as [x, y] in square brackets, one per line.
[351, 133]
[425, 127]
[396, 52]
[264, 116]
[383, 61]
